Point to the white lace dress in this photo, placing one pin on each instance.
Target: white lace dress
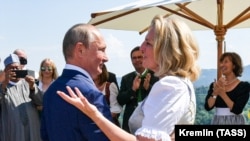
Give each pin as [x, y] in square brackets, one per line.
[171, 101]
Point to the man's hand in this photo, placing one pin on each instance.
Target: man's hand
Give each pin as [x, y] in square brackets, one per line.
[136, 83]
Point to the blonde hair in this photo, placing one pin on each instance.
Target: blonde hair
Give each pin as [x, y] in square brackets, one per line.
[54, 68]
[175, 48]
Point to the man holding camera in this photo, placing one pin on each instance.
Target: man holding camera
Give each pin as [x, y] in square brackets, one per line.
[23, 62]
[135, 86]
[19, 120]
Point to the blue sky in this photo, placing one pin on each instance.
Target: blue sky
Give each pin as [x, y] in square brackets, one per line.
[38, 27]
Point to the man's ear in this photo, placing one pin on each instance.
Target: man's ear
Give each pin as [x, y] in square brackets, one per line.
[80, 48]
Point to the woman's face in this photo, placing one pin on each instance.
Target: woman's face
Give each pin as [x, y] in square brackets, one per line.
[47, 69]
[148, 51]
[226, 66]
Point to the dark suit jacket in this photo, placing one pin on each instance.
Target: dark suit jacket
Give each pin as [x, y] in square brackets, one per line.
[112, 78]
[129, 97]
[62, 121]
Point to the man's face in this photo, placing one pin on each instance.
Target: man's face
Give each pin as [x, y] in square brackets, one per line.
[137, 58]
[95, 56]
[9, 70]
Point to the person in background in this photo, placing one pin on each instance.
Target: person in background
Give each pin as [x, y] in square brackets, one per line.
[84, 50]
[23, 62]
[2, 74]
[22, 57]
[228, 95]
[110, 90]
[47, 74]
[19, 120]
[171, 51]
[133, 87]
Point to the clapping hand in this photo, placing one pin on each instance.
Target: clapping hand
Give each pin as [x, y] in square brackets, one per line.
[136, 83]
[219, 87]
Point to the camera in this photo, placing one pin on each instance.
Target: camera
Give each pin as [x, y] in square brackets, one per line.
[23, 73]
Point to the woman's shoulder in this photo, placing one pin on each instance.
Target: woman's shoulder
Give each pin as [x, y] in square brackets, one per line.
[244, 84]
[173, 80]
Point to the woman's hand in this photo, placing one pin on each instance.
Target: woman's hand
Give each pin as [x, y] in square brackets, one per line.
[78, 101]
[219, 87]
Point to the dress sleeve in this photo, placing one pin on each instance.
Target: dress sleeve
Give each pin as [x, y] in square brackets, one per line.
[114, 105]
[209, 93]
[240, 97]
[163, 109]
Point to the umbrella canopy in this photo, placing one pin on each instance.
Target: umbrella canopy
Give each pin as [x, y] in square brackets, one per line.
[216, 15]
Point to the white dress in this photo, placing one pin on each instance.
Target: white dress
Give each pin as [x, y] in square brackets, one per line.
[114, 105]
[171, 101]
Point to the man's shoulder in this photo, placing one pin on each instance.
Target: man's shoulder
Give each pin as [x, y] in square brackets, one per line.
[111, 73]
[130, 74]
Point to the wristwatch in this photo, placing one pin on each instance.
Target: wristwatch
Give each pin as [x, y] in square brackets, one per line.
[214, 96]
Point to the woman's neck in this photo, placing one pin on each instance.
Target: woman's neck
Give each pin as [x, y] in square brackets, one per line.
[47, 80]
[230, 79]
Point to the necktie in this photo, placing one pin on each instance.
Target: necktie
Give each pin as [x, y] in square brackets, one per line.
[142, 76]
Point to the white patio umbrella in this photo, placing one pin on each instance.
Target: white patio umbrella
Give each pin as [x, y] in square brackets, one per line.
[216, 15]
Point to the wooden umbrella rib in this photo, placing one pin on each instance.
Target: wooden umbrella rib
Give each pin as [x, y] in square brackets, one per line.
[93, 15]
[220, 8]
[243, 16]
[116, 16]
[188, 14]
[194, 15]
[145, 29]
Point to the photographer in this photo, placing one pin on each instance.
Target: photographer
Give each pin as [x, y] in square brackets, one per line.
[23, 62]
[19, 120]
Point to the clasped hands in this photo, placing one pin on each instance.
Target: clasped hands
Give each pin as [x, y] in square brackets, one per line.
[137, 82]
[219, 87]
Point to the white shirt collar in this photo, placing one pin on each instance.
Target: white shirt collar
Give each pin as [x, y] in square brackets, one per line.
[73, 67]
[142, 72]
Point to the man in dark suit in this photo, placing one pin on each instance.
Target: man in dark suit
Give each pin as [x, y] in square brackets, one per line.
[84, 52]
[135, 86]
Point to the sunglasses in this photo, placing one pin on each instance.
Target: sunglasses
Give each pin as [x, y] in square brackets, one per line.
[46, 68]
[23, 61]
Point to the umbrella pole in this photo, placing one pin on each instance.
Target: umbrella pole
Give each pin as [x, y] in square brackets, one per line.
[220, 36]
[220, 31]
[219, 53]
